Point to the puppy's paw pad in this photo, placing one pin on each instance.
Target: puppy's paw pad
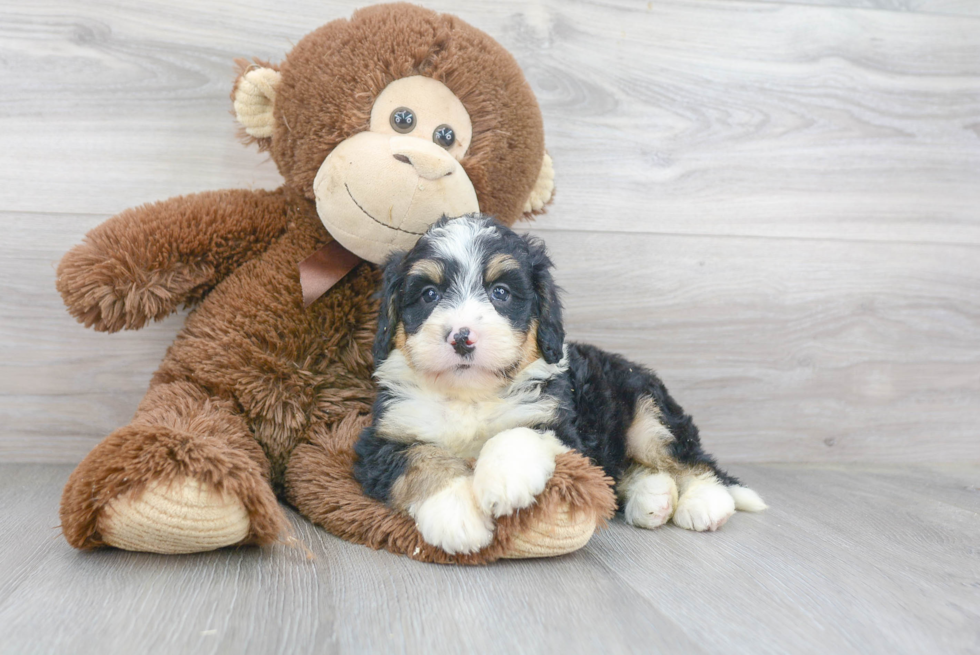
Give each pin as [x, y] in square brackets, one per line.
[513, 468]
[704, 507]
[451, 519]
[650, 501]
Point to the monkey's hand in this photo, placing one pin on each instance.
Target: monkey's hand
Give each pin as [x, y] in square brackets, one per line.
[142, 264]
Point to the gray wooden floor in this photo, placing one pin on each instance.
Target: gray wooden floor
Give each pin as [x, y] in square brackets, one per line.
[851, 559]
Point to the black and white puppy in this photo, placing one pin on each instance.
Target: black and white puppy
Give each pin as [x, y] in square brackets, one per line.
[471, 362]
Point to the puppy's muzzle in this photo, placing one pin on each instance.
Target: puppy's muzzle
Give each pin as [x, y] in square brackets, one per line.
[462, 343]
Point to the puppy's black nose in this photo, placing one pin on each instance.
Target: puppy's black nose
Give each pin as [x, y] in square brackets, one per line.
[462, 343]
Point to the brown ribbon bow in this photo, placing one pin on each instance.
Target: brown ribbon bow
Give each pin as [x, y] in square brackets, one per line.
[323, 269]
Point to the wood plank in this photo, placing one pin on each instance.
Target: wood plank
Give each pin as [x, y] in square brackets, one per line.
[347, 599]
[62, 387]
[850, 559]
[944, 7]
[866, 559]
[670, 117]
[782, 349]
[787, 350]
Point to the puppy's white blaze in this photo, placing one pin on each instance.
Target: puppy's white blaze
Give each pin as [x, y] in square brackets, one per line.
[461, 421]
[458, 239]
[704, 502]
[514, 466]
[746, 500]
[451, 519]
[468, 285]
[462, 241]
[650, 499]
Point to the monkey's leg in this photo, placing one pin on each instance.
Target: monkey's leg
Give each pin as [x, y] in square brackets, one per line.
[320, 483]
[184, 476]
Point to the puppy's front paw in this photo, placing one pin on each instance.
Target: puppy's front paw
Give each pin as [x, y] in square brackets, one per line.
[704, 506]
[514, 467]
[451, 519]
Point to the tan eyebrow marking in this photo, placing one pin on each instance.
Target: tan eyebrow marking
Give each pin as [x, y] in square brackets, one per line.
[429, 268]
[499, 265]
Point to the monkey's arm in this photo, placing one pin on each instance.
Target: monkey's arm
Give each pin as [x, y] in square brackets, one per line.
[142, 264]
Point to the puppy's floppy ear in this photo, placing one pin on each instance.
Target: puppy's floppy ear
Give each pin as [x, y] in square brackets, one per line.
[390, 311]
[551, 331]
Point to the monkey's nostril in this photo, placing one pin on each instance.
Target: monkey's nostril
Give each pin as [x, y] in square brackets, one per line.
[402, 158]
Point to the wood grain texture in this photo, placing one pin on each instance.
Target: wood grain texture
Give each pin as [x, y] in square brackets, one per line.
[850, 559]
[787, 349]
[944, 7]
[773, 204]
[781, 348]
[709, 117]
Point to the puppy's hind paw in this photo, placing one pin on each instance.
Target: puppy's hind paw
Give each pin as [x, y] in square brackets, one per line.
[451, 519]
[650, 499]
[704, 506]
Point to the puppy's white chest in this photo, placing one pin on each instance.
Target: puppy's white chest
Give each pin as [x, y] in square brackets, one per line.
[460, 426]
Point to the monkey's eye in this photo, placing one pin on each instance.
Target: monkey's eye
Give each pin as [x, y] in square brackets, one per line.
[444, 136]
[500, 293]
[430, 295]
[402, 120]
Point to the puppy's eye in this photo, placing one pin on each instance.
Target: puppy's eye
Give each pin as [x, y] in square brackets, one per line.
[402, 120]
[430, 295]
[500, 293]
[444, 136]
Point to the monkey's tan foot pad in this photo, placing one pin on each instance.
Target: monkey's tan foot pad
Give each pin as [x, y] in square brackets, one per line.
[184, 516]
[566, 532]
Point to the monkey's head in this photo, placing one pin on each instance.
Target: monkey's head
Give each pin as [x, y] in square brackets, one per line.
[396, 118]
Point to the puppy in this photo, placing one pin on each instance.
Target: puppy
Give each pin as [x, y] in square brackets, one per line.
[471, 363]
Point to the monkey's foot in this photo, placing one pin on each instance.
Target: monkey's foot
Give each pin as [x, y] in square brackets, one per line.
[565, 533]
[184, 516]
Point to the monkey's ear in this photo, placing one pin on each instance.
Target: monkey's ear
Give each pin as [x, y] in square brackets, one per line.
[255, 96]
[389, 313]
[544, 188]
[551, 329]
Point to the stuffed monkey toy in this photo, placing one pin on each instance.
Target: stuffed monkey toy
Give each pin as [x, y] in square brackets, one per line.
[380, 125]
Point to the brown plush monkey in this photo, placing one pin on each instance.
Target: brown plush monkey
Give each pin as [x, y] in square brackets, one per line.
[380, 125]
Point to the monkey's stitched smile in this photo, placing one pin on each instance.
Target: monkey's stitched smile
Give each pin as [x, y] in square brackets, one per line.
[390, 227]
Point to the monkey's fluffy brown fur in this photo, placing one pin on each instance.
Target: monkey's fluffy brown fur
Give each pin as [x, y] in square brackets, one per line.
[259, 396]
